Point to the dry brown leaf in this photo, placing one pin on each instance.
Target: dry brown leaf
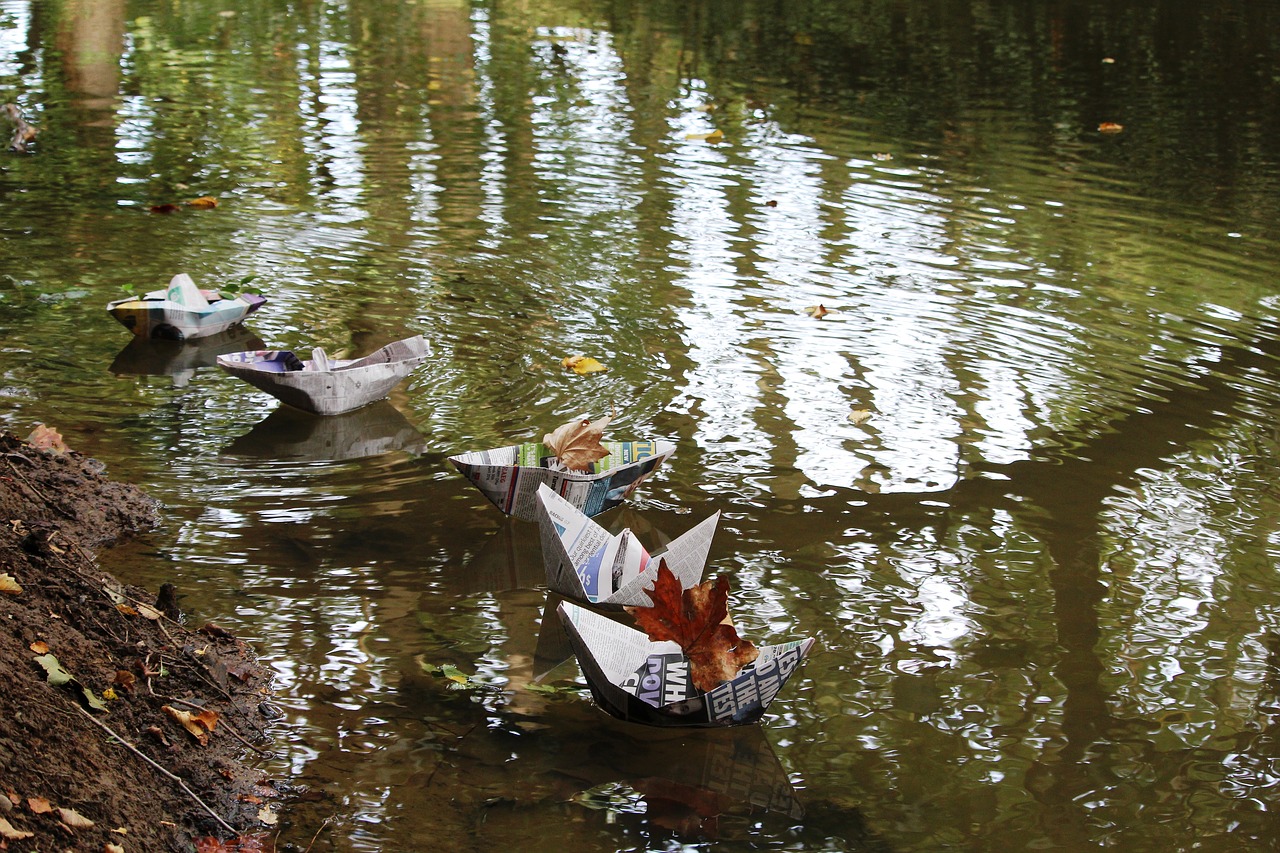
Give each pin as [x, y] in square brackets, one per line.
[39, 805]
[125, 679]
[126, 609]
[40, 647]
[146, 611]
[72, 819]
[47, 438]
[577, 443]
[9, 585]
[197, 725]
[697, 619]
[8, 832]
[112, 848]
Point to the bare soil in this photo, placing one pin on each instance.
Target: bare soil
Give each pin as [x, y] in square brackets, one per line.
[130, 767]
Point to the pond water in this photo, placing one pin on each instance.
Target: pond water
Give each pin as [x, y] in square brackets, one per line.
[1020, 482]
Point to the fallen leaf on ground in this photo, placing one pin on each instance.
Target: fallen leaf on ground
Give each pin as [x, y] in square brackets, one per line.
[56, 675]
[73, 819]
[9, 585]
[582, 364]
[1110, 127]
[695, 618]
[112, 848]
[267, 816]
[577, 443]
[8, 833]
[47, 438]
[39, 805]
[40, 647]
[125, 679]
[197, 725]
[146, 611]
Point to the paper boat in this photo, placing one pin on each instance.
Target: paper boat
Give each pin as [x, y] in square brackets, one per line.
[183, 311]
[510, 476]
[586, 563]
[324, 385]
[636, 679]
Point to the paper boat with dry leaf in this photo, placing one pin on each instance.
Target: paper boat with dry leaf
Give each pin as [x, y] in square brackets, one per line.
[183, 311]
[326, 385]
[586, 563]
[635, 679]
[510, 476]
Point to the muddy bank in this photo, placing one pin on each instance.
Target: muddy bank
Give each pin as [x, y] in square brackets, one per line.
[119, 724]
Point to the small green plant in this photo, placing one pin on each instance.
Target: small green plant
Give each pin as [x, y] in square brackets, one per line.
[241, 286]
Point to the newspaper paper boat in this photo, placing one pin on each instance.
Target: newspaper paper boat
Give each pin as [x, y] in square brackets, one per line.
[636, 679]
[182, 311]
[586, 563]
[324, 385]
[510, 476]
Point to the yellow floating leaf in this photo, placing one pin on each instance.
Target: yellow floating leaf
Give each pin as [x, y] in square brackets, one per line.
[205, 201]
[1110, 127]
[582, 364]
[714, 136]
[9, 585]
[817, 311]
[857, 416]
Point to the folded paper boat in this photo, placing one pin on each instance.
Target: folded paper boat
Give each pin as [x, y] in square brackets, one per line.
[635, 679]
[325, 385]
[586, 563]
[510, 476]
[182, 311]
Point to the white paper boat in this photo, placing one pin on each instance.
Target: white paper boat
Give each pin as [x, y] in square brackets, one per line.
[182, 311]
[586, 563]
[324, 385]
[636, 679]
[510, 476]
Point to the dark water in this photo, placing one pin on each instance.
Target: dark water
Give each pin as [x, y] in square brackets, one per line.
[1042, 572]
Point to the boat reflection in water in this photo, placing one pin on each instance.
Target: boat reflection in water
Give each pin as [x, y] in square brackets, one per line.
[179, 359]
[291, 434]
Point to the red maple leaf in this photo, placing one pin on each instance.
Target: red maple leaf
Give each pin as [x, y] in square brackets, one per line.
[697, 619]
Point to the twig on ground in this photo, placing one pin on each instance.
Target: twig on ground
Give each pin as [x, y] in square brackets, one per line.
[181, 784]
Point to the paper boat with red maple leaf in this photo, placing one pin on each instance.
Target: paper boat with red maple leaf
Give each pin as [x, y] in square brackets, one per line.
[635, 679]
[183, 311]
[324, 385]
[510, 476]
[587, 563]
